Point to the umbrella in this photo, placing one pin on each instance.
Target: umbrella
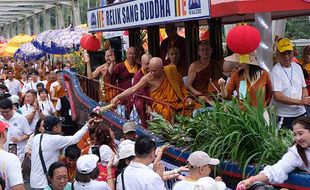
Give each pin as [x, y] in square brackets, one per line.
[63, 41]
[20, 39]
[28, 52]
[10, 50]
[40, 38]
[2, 47]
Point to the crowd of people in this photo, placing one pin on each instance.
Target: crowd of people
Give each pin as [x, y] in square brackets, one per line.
[41, 144]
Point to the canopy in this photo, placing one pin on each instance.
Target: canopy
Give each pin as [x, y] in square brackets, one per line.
[237, 10]
[20, 39]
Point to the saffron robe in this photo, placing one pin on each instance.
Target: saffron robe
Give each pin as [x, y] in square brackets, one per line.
[172, 91]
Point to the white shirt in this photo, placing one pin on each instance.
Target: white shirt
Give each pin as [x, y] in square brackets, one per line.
[184, 184]
[18, 127]
[46, 107]
[290, 82]
[10, 168]
[278, 172]
[30, 86]
[138, 176]
[26, 109]
[14, 86]
[93, 185]
[51, 146]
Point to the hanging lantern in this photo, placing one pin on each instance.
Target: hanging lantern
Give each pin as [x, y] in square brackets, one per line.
[90, 42]
[204, 35]
[243, 39]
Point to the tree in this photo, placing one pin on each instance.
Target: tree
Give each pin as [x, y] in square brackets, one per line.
[298, 28]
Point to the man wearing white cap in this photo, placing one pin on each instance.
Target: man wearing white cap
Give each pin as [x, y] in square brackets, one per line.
[199, 166]
[289, 87]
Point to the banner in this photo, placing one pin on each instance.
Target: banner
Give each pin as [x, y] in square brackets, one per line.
[146, 12]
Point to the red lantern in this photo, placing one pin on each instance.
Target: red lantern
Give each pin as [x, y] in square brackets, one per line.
[204, 36]
[243, 39]
[90, 42]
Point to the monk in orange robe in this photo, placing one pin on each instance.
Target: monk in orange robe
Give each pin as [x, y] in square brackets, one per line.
[201, 73]
[58, 91]
[165, 85]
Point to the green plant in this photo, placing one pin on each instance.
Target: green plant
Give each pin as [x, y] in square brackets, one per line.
[234, 131]
[78, 63]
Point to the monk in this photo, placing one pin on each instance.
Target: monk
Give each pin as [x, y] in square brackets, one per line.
[101, 72]
[165, 85]
[200, 73]
[57, 90]
[122, 74]
[174, 40]
[142, 105]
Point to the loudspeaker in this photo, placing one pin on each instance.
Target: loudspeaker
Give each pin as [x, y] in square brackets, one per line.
[96, 59]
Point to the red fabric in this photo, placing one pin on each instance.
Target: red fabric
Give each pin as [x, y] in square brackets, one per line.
[123, 79]
[103, 172]
[201, 82]
[140, 103]
[220, 8]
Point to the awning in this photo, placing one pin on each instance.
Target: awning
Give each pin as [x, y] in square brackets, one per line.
[237, 10]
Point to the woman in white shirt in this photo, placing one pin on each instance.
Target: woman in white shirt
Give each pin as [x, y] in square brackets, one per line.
[296, 157]
[45, 103]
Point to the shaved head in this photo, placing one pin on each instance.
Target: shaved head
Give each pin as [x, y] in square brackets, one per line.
[156, 67]
[145, 61]
[146, 57]
[156, 61]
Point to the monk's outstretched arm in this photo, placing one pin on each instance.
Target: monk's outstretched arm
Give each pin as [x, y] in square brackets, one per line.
[191, 77]
[130, 91]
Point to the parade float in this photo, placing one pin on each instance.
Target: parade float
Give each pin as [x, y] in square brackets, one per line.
[235, 132]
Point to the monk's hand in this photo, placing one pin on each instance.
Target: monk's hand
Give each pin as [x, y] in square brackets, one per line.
[96, 110]
[115, 100]
[221, 82]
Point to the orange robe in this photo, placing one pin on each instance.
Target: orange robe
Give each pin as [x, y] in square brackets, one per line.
[59, 91]
[172, 91]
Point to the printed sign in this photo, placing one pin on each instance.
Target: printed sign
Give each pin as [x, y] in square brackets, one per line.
[146, 12]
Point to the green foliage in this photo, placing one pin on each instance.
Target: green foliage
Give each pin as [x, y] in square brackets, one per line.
[297, 28]
[234, 131]
[78, 63]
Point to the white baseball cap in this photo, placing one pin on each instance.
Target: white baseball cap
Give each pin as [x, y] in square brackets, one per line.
[199, 158]
[87, 163]
[126, 151]
[206, 183]
[106, 154]
[14, 99]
